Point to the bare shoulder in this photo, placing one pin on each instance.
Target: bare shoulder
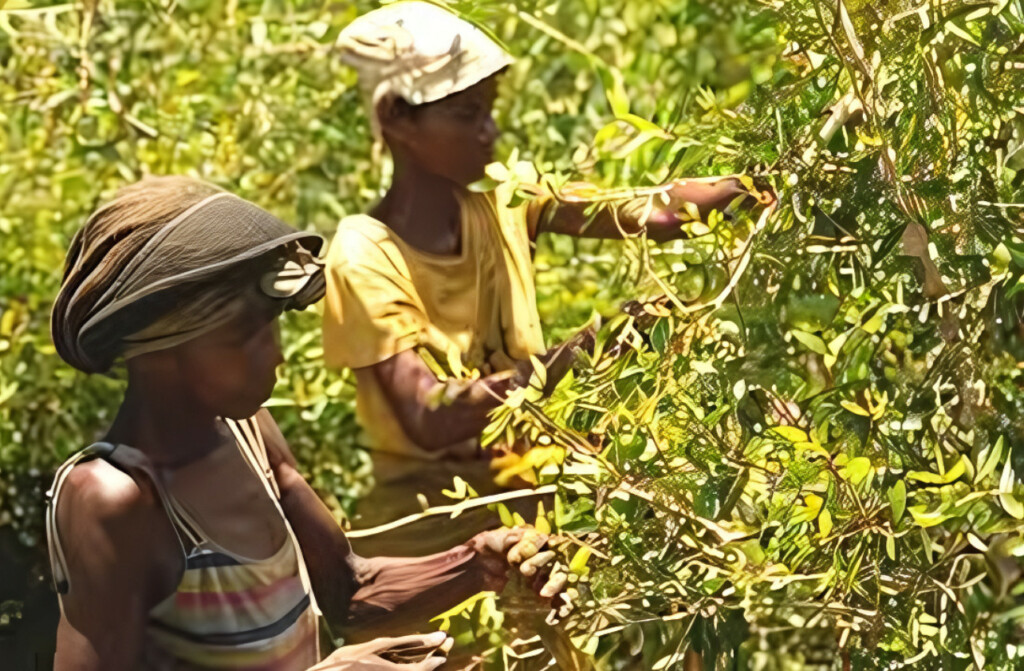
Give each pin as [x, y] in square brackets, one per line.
[114, 531]
[97, 491]
[121, 558]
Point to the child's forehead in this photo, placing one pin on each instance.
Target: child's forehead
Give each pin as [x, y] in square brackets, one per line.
[259, 311]
[250, 318]
[486, 89]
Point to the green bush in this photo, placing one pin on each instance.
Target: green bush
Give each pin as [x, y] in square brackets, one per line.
[819, 467]
[816, 466]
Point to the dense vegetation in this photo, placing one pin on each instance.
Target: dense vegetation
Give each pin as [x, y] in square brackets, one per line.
[798, 446]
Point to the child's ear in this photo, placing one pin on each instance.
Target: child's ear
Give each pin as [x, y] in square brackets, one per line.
[395, 116]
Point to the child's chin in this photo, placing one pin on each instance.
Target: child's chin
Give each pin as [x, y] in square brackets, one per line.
[245, 410]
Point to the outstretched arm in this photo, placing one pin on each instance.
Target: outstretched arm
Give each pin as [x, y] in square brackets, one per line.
[573, 212]
[373, 596]
[123, 557]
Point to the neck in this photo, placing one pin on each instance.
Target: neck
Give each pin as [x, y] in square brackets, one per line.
[168, 425]
[423, 209]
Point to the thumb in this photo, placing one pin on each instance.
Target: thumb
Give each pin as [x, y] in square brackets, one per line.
[428, 664]
[431, 640]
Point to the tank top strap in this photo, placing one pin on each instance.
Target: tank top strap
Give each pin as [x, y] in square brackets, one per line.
[58, 562]
[250, 441]
[130, 459]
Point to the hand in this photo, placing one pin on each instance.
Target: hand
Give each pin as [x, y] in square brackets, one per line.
[717, 194]
[583, 340]
[522, 548]
[418, 652]
[557, 360]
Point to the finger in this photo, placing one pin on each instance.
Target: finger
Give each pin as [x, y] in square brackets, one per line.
[530, 544]
[419, 653]
[513, 539]
[527, 545]
[499, 541]
[428, 664]
[530, 567]
[404, 655]
[431, 640]
[558, 542]
[555, 584]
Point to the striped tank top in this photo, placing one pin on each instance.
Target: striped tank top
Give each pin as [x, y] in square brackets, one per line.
[228, 611]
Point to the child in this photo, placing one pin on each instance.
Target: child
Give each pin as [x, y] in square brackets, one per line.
[186, 538]
[440, 270]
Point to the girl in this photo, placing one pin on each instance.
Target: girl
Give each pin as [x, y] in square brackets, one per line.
[436, 273]
[186, 538]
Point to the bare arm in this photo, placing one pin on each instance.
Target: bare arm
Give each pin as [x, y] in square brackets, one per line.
[366, 597]
[409, 384]
[122, 559]
[663, 222]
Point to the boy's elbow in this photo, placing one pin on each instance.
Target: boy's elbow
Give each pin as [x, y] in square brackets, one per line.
[423, 430]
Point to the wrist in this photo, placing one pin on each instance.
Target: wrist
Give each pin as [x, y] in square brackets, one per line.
[489, 569]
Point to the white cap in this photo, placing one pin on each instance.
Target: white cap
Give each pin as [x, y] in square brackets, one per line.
[419, 52]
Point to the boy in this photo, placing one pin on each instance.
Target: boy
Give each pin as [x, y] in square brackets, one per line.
[436, 269]
[187, 538]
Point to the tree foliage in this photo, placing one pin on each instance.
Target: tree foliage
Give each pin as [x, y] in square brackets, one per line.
[800, 442]
[821, 467]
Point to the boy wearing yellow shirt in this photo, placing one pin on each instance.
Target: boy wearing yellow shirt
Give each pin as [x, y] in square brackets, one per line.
[438, 271]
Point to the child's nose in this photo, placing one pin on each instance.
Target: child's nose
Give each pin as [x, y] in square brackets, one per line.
[490, 131]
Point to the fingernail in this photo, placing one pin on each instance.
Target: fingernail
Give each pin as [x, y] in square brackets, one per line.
[437, 638]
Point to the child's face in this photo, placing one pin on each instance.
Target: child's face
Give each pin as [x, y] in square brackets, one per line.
[232, 369]
[453, 137]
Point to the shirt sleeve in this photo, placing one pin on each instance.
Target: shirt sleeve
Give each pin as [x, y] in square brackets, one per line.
[371, 310]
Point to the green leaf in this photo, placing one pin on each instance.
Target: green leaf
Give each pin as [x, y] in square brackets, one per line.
[890, 547]
[949, 476]
[810, 341]
[856, 469]
[614, 90]
[988, 460]
[661, 334]
[1011, 504]
[825, 523]
[897, 500]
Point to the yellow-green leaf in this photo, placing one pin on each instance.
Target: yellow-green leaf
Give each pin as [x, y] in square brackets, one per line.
[1011, 504]
[991, 460]
[790, 433]
[854, 408]
[578, 563]
[897, 500]
[810, 341]
[923, 518]
[856, 469]
[952, 474]
[825, 523]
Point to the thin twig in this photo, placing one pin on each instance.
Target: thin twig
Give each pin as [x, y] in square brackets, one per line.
[452, 510]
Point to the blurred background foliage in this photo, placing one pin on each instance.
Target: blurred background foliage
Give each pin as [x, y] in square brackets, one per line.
[807, 456]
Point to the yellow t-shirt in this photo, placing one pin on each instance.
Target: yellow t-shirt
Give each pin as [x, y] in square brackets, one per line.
[385, 296]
